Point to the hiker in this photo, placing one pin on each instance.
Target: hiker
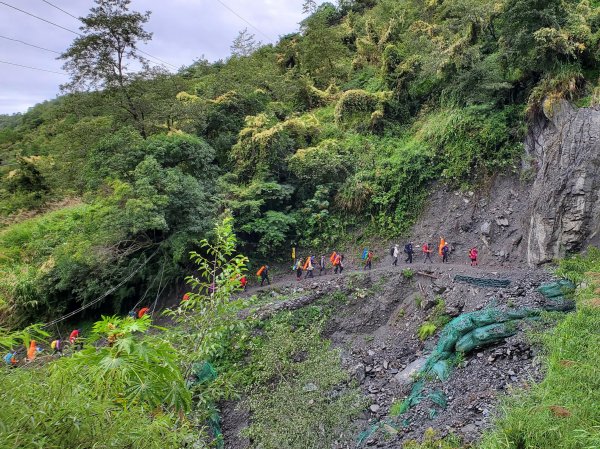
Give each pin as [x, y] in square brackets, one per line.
[309, 266]
[441, 247]
[409, 250]
[473, 253]
[56, 346]
[32, 351]
[299, 269]
[338, 263]
[395, 254]
[75, 340]
[263, 272]
[427, 250]
[143, 311]
[322, 266]
[11, 359]
[243, 283]
[369, 260]
[445, 252]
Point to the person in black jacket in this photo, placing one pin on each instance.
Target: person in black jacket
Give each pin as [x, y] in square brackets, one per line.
[408, 249]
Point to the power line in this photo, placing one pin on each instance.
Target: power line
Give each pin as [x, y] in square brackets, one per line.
[33, 68]
[60, 9]
[79, 19]
[158, 59]
[31, 45]
[82, 308]
[39, 18]
[249, 23]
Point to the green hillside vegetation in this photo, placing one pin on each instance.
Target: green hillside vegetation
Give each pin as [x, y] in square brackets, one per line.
[335, 134]
[335, 131]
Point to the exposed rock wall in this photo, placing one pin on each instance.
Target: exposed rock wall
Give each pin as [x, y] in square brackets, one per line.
[564, 201]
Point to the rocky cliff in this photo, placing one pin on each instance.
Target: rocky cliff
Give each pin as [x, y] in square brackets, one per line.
[548, 210]
[564, 201]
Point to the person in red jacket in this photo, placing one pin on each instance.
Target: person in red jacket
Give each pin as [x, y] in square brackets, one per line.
[244, 283]
[75, 339]
[427, 250]
[473, 253]
[143, 311]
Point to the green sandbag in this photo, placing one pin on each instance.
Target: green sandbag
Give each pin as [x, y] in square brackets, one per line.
[486, 335]
[439, 398]
[442, 370]
[557, 290]
[203, 372]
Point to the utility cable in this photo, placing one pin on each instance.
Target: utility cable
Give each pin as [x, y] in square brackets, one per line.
[39, 18]
[60, 9]
[28, 44]
[242, 18]
[79, 19]
[32, 68]
[108, 292]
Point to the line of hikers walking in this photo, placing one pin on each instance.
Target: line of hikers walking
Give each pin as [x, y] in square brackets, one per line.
[427, 249]
[309, 264]
[305, 267]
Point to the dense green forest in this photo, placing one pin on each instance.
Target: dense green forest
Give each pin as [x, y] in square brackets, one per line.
[335, 133]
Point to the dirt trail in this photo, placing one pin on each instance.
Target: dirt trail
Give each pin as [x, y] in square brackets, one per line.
[383, 268]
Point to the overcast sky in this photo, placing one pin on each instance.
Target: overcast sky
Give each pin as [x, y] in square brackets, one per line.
[184, 30]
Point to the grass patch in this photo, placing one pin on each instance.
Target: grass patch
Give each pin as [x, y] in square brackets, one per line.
[301, 397]
[437, 320]
[426, 330]
[407, 273]
[562, 412]
[431, 440]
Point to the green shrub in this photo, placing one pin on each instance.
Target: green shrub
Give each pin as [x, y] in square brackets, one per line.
[426, 330]
[407, 273]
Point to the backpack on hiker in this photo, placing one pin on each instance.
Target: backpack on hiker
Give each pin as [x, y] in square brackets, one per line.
[261, 270]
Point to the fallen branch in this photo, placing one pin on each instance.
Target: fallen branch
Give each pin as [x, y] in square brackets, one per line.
[427, 274]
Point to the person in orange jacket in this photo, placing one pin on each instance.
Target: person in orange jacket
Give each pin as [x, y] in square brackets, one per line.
[309, 266]
[263, 272]
[143, 311]
[338, 263]
[441, 247]
[32, 351]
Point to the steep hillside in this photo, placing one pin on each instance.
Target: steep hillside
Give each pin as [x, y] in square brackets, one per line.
[380, 121]
[334, 134]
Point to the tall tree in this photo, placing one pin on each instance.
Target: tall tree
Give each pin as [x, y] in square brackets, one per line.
[309, 6]
[101, 56]
[244, 44]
